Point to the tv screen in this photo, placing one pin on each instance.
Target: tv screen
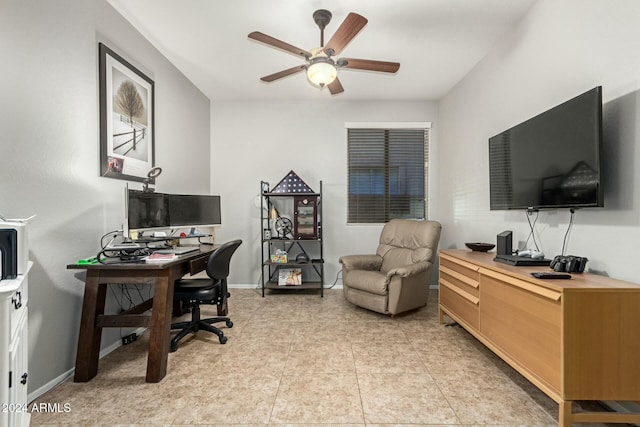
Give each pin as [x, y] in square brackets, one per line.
[147, 210]
[187, 210]
[551, 160]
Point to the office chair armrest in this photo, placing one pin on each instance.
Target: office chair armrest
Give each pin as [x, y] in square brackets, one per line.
[409, 270]
[361, 262]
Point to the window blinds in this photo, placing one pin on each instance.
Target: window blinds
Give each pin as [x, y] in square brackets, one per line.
[387, 174]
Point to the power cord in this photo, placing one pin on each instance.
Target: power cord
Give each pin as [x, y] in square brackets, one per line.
[532, 233]
[338, 274]
[566, 235]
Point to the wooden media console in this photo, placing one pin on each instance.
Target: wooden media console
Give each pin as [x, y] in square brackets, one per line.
[576, 339]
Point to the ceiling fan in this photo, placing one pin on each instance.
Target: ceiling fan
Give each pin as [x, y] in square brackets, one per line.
[320, 63]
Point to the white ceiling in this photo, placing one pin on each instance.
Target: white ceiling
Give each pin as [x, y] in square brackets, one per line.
[437, 42]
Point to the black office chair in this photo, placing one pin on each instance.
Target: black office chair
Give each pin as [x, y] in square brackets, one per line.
[211, 290]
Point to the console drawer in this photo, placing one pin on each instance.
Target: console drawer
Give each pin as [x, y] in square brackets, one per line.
[459, 289]
[459, 303]
[462, 270]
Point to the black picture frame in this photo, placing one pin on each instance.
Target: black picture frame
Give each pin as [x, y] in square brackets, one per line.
[127, 130]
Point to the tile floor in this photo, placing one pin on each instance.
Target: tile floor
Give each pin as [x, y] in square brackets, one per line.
[294, 358]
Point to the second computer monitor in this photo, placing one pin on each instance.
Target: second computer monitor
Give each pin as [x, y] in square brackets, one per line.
[187, 210]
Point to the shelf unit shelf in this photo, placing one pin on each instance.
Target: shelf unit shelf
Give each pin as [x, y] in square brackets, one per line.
[299, 230]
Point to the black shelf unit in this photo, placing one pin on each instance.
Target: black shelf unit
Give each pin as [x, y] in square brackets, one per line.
[308, 242]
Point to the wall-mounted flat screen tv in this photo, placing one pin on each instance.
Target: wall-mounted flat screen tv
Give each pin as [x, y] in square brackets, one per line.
[551, 160]
[187, 210]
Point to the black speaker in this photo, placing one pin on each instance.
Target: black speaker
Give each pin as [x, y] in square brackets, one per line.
[505, 240]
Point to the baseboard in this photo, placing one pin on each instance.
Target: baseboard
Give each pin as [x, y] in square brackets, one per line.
[68, 374]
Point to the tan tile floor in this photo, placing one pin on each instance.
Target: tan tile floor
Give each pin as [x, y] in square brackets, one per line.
[294, 358]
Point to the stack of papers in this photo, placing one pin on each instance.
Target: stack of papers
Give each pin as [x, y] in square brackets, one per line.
[159, 258]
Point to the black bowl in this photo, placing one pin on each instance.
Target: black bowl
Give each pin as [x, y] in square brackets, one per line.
[480, 247]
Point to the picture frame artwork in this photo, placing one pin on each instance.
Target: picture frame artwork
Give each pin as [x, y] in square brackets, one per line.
[127, 131]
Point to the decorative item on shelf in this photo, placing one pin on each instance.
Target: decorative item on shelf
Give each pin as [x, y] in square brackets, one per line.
[293, 184]
[290, 277]
[280, 257]
[305, 217]
[284, 227]
[480, 247]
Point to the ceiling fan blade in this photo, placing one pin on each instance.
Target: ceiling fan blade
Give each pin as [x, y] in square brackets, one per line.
[349, 28]
[369, 65]
[279, 44]
[335, 87]
[283, 73]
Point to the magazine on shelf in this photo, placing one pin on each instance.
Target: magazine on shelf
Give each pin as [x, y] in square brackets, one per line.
[290, 277]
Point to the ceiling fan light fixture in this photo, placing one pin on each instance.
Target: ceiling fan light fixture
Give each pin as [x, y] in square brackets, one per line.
[321, 71]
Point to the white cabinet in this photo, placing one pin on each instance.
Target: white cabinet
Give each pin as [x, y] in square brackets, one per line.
[14, 296]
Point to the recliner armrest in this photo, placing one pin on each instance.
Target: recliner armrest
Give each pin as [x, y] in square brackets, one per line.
[361, 262]
[409, 270]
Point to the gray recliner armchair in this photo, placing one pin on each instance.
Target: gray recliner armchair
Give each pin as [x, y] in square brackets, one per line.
[396, 279]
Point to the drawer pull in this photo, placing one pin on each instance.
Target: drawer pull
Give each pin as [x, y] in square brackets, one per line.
[463, 294]
[23, 381]
[17, 302]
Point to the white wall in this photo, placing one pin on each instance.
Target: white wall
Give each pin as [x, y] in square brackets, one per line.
[49, 153]
[254, 141]
[559, 50]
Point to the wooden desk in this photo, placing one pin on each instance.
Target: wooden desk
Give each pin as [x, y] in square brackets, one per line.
[93, 318]
[574, 339]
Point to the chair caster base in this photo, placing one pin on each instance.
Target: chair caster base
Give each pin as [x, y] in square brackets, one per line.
[223, 339]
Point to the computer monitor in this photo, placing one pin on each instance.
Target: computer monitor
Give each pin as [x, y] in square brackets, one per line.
[187, 210]
[147, 210]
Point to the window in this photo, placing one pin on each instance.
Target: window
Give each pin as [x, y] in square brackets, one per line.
[387, 171]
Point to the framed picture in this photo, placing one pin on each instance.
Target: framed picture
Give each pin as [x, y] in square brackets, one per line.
[126, 119]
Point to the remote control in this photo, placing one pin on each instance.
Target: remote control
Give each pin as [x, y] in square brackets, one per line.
[550, 275]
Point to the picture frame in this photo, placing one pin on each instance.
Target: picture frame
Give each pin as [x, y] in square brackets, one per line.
[127, 131]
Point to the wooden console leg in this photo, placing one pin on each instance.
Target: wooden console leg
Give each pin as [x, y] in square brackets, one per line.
[564, 414]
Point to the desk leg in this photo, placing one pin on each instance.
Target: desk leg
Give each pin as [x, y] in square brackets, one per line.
[160, 331]
[90, 335]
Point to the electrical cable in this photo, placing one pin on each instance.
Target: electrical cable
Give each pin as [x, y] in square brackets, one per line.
[335, 281]
[569, 227]
[531, 229]
[102, 245]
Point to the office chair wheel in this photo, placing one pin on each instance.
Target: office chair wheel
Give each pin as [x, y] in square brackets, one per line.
[173, 347]
[223, 339]
[229, 324]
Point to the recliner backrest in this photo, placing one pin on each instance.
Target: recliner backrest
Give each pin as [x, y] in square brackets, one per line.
[404, 242]
[219, 260]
